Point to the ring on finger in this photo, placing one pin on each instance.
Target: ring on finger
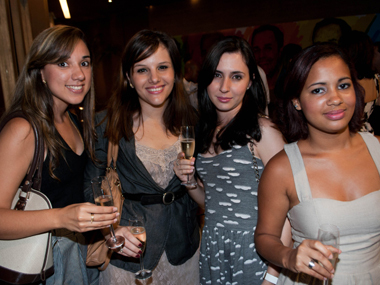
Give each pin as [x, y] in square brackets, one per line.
[311, 264]
[92, 217]
[121, 250]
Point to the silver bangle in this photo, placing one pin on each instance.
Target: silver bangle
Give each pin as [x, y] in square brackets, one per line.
[269, 277]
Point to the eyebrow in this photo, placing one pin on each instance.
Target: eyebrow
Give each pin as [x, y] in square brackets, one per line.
[164, 62]
[324, 83]
[233, 72]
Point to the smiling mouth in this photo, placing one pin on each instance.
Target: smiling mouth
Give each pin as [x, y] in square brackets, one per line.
[75, 87]
[155, 89]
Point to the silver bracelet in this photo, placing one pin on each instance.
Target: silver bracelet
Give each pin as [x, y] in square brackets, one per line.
[269, 277]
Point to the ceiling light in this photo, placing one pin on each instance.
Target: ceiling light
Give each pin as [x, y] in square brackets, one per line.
[65, 9]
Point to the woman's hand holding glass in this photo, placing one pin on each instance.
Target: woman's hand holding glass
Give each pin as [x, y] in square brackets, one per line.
[312, 257]
[86, 217]
[184, 169]
[132, 246]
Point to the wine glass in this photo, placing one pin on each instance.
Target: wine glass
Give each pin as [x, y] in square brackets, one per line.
[137, 228]
[103, 197]
[329, 235]
[187, 138]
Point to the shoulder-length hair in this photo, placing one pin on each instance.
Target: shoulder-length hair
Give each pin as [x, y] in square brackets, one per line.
[124, 104]
[52, 46]
[292, 122]
[245, 125]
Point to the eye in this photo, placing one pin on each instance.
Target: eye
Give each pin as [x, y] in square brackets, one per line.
[344, 86]
[86, 63]
[163, 67]
[63, 64]
[317, 91]
[141, 70]
[217, 75]
[237, 77]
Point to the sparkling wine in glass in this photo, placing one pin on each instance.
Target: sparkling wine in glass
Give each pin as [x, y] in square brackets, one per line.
[137, 228]
[103, 197]
[187, 138]
[329, 235]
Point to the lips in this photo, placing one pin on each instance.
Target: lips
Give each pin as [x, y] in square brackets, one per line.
[224, 99]
[335, 114]
[155, 89]
[75, 88]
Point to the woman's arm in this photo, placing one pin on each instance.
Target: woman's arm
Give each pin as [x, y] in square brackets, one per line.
[272, 141]
[184, 167]
[273, 205]
[16, 154]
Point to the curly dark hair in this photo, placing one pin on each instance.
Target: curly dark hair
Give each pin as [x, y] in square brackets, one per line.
[293, 123]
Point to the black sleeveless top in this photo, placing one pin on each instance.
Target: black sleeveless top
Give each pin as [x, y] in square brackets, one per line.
[69, 188]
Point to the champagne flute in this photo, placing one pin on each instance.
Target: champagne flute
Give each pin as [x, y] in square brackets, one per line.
[137, 228]
[103, 197]
[187, 138]
[329, 235]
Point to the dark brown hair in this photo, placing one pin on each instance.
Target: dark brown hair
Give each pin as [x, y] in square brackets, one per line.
[52, 46]
[124, 103]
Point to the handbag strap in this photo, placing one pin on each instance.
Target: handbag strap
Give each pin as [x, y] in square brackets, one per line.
[255, 166]
[32, 178]
[113, 151]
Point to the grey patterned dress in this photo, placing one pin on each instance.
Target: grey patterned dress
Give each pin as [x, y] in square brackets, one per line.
[228, 254]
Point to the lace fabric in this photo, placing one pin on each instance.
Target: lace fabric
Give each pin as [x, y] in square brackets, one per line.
[159, 162]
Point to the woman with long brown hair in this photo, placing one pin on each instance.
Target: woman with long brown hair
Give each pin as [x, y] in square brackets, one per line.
[144, 118]
[57, 75]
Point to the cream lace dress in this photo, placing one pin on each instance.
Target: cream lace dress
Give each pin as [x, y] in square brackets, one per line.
[159, 164]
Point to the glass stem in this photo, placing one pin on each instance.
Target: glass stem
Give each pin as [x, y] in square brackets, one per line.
[188, 179]
[141, 263]
[113, 236]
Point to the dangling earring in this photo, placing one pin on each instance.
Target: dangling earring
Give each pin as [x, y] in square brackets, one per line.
[130, 84]
[43, 81]
[296, 106]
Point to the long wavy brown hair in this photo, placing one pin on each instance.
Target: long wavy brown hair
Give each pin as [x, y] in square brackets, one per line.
[52, 46]
[124, 103]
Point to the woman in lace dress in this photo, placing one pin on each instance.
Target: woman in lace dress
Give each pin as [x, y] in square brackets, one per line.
[329, 174]
[144, 117]
[235, 140]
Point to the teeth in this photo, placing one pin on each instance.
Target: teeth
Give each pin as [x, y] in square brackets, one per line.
[75, 87]
[155, 89]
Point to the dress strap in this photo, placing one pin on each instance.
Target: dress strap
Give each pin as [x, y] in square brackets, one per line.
[373, 146]
[299, 173]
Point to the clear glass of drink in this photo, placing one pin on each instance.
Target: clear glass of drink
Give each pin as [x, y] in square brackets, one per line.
[187, 138]
[103, 197]
[329, 235]
[137, 228]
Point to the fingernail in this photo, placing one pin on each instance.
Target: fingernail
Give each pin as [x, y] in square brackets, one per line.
[117, 214]
[115, 220]
[140, 252]
[138, 255]
[140, 245]
[115, 209]
[330, 256]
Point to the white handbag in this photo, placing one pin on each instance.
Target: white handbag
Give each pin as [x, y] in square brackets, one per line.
[30, 259]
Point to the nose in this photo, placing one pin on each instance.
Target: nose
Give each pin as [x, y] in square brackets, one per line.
[224, 85]
[78, 73]
[335, 98]
[154, 76]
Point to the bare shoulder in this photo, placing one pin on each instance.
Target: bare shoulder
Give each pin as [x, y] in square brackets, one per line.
[267, 126]
[279, 164]
[17, 131]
